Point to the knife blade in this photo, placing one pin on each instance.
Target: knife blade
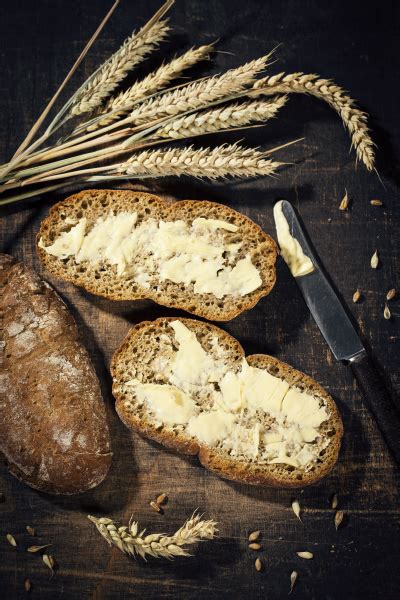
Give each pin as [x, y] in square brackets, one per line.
[335, 325]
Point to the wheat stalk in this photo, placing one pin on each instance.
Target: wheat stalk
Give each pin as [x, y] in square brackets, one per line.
[144, 117]
[199, 93]
[159, 79]
[226, 117]
[158, 545]
[211, 163]
[114, 70]
[354, 119]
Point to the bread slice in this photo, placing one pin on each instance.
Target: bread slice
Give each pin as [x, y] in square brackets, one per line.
[102, 278]
[148, 355]
[53, 427]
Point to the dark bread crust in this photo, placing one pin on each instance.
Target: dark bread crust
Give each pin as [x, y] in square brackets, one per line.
[229, 468]
[53, 428]
[97, 203]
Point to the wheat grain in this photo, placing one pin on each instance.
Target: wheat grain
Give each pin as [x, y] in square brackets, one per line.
[374, 260]
[115, 69]
[120, 105]
[227, 117]
[325, 89]
[11, 540]
[212, 163]
[199, 93]
[391, 294]
[37, 548]
[296, 508]
[344, 204]
[254, 536]
[162, 499]
[157, 545]
[293, 579]
[305, 554]
[156, 507]
[254, 546]
[338, 519]
[49, 562]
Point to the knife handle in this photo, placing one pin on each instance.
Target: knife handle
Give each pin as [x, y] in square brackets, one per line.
[384, 409]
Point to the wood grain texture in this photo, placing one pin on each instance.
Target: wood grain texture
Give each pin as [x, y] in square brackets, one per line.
[357, 46]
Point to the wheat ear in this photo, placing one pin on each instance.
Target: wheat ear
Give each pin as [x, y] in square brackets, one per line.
[354, 119]
[211, 163]
[227, 117]
[158, 545]
[114, 70]
[121, 105]
[199, 93]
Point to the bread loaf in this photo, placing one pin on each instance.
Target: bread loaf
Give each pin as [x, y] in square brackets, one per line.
[53, 429]
[199, 256]
[187, 385]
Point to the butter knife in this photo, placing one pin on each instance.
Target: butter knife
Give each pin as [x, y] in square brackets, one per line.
[334, 322]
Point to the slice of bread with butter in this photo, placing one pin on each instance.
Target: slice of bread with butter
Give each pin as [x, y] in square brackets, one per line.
[188, 385]
[203, 257]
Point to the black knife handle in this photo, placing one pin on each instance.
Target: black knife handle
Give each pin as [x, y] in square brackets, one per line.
[378, 400]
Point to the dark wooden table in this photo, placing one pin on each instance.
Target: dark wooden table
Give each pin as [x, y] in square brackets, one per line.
[357, 45]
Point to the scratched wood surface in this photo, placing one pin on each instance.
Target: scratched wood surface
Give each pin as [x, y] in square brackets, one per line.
[358, 47]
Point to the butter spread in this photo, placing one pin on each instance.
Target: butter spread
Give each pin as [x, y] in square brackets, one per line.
[169, 404]
[191, 365]
[198, 253]
[292, 253]
[306, 412]
[211, 427]
[247, 412]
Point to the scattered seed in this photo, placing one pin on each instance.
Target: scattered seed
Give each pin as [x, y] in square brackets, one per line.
[344, 205]
[376, 202]
[375, 260]
[48, 561]
[338, 518]
[386, 313]
[305, 554]
[27, 585]
[155, 506]
[162, 499]
[37, 548]
[255, 546]
[329, 220]
[334, 501]
[11, 539]
[296, 508]
[258, 564]
[391, 294]
[293, 578]
[30, 530]
[356, 296]
[254, 535]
